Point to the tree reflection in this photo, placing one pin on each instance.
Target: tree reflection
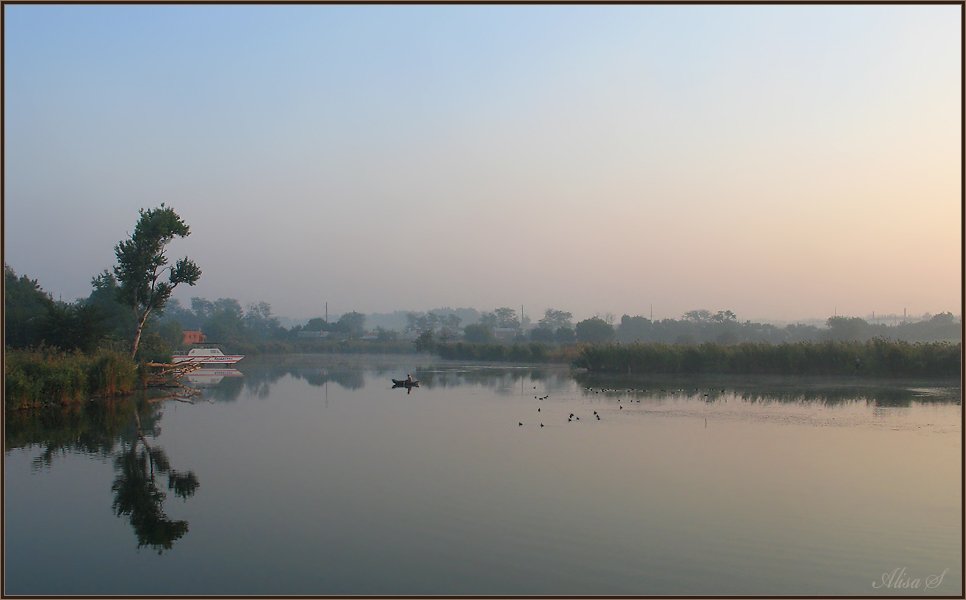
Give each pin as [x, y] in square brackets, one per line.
[137, 495]
[116, 429]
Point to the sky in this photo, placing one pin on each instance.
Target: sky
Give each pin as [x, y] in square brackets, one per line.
[784, 162]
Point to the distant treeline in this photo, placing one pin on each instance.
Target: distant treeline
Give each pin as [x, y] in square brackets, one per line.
[874, 358]
[100, 321]
[723, 327]
[557, 327]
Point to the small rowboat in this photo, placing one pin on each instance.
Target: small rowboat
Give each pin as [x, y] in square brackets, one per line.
[405, 383]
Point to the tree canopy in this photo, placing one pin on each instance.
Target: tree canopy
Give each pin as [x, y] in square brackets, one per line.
[141, 263]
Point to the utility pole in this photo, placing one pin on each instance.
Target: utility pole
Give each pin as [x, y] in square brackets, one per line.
[652, 312]
[326, 312]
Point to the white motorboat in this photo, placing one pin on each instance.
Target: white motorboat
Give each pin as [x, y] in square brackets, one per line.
[206, 356]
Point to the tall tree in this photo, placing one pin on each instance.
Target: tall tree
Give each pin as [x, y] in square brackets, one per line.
[141, 263]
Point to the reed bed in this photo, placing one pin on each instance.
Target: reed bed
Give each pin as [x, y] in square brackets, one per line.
[874, 358]
[46, 376]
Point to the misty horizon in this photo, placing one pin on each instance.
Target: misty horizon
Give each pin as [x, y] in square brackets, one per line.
[184, 300]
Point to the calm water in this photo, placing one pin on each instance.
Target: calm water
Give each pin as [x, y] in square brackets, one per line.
[310, 475]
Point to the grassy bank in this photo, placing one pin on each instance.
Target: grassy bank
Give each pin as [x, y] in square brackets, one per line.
[873, 358]
[43, 377]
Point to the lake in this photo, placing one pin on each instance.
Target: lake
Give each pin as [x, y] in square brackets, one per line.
[312, 475]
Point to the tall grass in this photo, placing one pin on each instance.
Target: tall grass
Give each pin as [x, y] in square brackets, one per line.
[875, 357]
[42, 377]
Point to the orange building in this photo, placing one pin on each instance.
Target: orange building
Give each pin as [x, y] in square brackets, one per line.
[192, 337]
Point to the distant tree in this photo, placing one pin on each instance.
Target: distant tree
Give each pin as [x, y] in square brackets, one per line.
[202, 308]
[635, 329]
[801, 333]
[181, 315]
[225, 324]
[386, 335]
[506, 317]
[542, 334]
[478, 333]
[141, 262]
[422, 322]
[259, 322]
[170, 333]
[698, 316]
[316, 324]
[447, 334]
[452, 321]
[554, 319]
[943, 326]
[847, 328]
[430, 321]
[594, 330]
[412, 322]
[943, 318]
[352, 324]
[564, 335]
[724, 316]
[426, 342]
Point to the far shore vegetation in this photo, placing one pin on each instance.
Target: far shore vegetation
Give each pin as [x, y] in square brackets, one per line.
[63, 352]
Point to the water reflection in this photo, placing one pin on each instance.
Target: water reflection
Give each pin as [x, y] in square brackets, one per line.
[258, 377]
[118, 430]
[508, 381]
[767, 390]
[259, 380]
[502, 380]
[210, 377]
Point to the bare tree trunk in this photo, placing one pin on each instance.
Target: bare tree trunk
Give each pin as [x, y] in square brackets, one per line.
[137, 334]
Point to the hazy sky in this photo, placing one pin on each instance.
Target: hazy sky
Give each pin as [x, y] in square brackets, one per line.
[780, 161]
